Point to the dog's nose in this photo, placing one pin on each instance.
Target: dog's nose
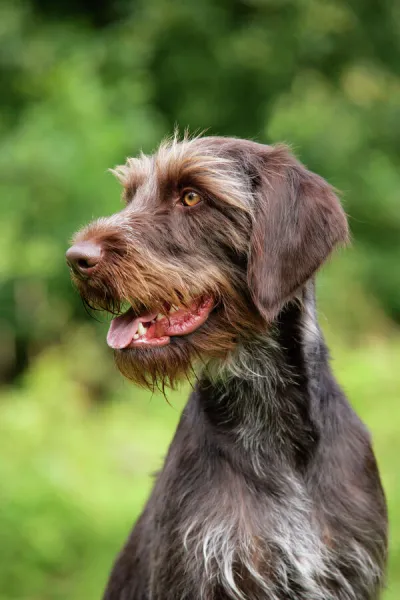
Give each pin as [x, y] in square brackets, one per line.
[83, 258]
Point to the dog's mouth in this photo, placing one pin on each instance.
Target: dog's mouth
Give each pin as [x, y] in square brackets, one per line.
[155, 329]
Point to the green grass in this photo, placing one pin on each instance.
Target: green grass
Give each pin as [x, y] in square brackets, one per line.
[75, 474]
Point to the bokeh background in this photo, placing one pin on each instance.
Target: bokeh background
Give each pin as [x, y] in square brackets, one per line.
[85, 84]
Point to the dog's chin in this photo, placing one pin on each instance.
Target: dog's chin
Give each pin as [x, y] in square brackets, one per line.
[165, 366]
[158, 350]
[162, 366]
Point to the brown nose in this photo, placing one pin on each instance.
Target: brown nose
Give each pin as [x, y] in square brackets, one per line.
[83, 258]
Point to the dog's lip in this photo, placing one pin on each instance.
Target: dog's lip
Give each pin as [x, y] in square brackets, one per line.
[155, 329]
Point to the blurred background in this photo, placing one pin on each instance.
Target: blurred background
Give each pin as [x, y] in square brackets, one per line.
[85, 84]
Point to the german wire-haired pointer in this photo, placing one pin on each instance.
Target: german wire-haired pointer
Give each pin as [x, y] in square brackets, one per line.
[270, 488]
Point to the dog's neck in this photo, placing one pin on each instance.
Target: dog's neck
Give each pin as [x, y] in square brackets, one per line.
[266, 397]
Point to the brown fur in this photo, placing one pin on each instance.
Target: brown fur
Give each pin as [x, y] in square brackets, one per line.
[263, 209]
[270, 488]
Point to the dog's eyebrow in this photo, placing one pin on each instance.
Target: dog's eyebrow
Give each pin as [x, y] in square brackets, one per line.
[178, 163]
[187, 161]
[133, 174]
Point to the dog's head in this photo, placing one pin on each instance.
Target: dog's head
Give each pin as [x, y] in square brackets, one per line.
[216, 235]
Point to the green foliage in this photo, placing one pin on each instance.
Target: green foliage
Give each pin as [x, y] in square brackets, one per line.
[84, 85]
[73, 476]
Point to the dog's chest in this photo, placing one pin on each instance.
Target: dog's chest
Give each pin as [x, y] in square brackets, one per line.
[231, 549]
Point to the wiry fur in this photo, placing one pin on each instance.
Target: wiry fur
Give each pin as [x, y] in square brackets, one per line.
[270, 488]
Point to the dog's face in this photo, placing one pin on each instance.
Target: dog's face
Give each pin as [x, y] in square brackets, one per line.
[215, 236]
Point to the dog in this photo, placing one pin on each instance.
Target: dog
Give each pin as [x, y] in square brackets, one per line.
[270, 489]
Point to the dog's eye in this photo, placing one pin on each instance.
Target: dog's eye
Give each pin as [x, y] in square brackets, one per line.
[190, 198]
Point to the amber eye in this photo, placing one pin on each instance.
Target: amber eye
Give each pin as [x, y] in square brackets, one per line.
[190, 198]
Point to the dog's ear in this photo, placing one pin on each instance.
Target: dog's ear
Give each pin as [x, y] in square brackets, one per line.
[298, 220]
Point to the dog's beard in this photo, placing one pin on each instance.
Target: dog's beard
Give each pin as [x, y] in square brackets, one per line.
[158, 367]
[182, 358]
[231, 318]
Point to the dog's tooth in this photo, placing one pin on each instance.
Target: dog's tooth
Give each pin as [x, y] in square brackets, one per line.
[159, 317]
[141, 329]
[136, 336]
[173, 308]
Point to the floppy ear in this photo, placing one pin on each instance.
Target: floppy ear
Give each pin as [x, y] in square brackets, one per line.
[298, 221]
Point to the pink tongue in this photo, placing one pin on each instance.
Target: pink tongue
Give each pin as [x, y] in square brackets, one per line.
[122, 329]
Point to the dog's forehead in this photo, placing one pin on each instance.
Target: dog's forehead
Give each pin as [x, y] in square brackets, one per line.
[211, 163]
